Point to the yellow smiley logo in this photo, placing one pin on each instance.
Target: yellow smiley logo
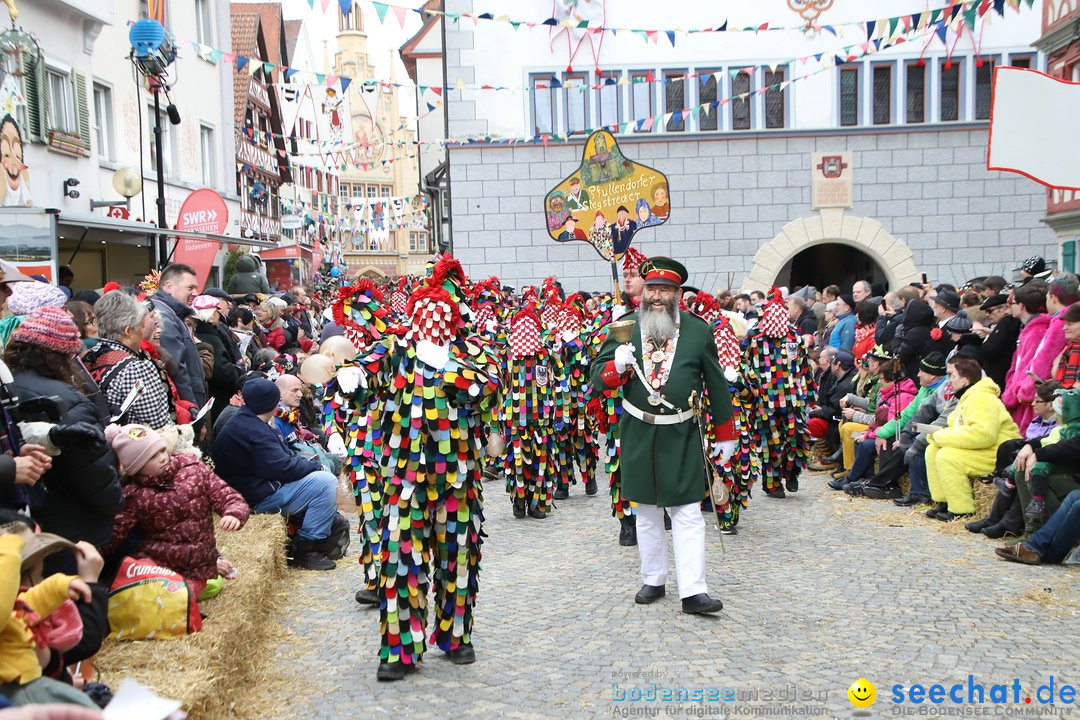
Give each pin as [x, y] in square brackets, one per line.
[862, 693]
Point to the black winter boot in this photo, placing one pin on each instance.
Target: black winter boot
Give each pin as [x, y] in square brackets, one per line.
[628, 531]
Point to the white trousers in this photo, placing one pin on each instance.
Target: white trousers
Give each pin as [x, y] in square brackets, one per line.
[688, 538]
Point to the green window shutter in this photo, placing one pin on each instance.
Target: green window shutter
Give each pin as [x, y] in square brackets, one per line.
[34, 91]
[1068, 256]
[82, 113]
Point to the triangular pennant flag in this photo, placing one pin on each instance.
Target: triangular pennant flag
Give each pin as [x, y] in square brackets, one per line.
[345, 82]
[241, 63]
[870, 25]
[400, 11]
[346, 6]
[380, 10]
[670, 36]
[941, 31]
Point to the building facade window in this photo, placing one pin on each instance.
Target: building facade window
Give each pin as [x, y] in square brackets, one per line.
[708, 97]
[984, 82]
[576, 99]
[675, 100]
[641, 101]
[849, 96]
[207, 155]
[543, 105]
[1021, 61]
[775, 99]
[914, 92]
[166, 141]
[882, 97]
[950, 90]
[204, 29]
[61, 105]
[418, 242]
[741, 113]
[609, 100]
[103, 122]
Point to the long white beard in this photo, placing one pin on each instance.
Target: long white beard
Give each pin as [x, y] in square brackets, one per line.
[658, 324]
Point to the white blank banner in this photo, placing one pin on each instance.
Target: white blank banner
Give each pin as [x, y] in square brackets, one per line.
[1035, 127]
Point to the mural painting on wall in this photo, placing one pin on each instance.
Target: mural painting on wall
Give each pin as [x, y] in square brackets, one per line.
[574, 13]
[607, 199]
[15, 190]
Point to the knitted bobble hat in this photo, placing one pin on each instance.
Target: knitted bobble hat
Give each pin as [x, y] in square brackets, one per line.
[50, 328]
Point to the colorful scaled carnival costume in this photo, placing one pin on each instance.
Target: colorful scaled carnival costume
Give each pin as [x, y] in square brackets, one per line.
[528, 401]
[776, 364]
[360, 312]
[574, 358]
[743, 467]
[436, 385]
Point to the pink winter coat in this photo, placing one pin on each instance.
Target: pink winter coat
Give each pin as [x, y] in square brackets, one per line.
[174, 514]
[890, 402]
[1019, 386]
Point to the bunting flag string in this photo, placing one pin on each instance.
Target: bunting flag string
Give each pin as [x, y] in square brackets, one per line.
[651, 34]
[959, 13]
[366, 215]
[827, 60]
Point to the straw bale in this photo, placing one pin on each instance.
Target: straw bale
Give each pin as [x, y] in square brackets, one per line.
[213, 671]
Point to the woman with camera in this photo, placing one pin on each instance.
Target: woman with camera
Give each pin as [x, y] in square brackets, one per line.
[79, 495]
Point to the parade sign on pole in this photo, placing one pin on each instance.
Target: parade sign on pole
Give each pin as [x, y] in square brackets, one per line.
[1033, 127]
[606, 200]
[203, 211]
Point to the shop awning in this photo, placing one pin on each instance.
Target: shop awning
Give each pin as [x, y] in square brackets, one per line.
[286, 252]
[72, 225]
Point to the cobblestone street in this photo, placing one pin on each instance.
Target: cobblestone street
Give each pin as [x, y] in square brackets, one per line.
[818, 590]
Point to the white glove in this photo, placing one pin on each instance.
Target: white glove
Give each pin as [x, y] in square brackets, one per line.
[624, 357]
[336, 444]
[350, 378]
[37, 433]
[617, 312]
[723, 450]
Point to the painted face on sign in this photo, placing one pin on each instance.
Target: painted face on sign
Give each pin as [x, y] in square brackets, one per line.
[660, 195]
[11, 152]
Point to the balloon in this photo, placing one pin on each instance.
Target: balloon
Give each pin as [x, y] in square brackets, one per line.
[338, 348]
[496, 445]
[317, 369]
[334, 272]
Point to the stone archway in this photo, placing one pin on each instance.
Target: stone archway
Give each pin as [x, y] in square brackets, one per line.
[370, 271]
[833, 226]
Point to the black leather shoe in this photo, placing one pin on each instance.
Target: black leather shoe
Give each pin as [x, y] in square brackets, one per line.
[519, 510]
[462, 655]
[838, 483]
[881, 493]
[388, 672]
[590, 486]
[792, 484]
[854, 489]
[729, 530]
[998, 531]
[936, 510]
[777, 493]
[628, 531]
[537, 513]
[561, 493]
[649, 594]
[946, 516]
[910, 500]
[977, 526]
[696, 604]
[367, 597]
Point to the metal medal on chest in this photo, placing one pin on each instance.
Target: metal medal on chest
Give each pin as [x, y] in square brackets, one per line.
[654, 399]
[656, 383]
[657, 356]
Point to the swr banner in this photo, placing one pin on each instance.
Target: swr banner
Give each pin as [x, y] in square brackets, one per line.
[203, 211]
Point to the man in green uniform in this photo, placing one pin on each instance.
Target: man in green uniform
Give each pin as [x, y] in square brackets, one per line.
[671, 355]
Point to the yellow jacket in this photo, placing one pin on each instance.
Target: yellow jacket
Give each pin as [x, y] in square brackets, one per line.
[979, 422]
[18, 661]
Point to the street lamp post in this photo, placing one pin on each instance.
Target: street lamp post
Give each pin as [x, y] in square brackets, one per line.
[162, 243]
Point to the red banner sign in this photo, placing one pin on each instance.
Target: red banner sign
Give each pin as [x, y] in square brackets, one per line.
[203, 211]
